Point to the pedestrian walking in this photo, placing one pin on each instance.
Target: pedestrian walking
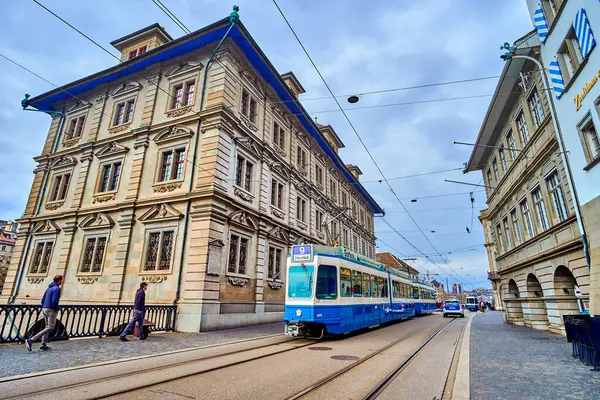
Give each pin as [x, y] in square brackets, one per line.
[139, 307]
[50, 311]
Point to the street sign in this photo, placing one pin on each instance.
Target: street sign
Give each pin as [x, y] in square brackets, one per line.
[302, 253]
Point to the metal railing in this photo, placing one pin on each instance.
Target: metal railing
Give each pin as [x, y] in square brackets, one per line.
[18, 322]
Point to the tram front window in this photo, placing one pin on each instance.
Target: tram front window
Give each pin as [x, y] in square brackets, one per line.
[300, 281]
[326, 282]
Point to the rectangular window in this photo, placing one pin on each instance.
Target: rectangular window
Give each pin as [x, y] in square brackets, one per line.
[319, 220]
[495, 169]
[183, 94]
[123, 112]
[110, 177]
[300, 282]
[590, 140]
[172, 165]
[503, 161]
[276, 194]
[319, 175]
[558, 199]
[354, 243]
[333, 190]
[529, 226]
[159, 251]
[278, 135]
[516, 227]
[522, 127]
[535, 106]
[301, 159]
[500, 238]
[367, 288]
[489, 178]
[93, 254]
[142, 50]
[344, 199]
[540, 208]
[274, 262]
[346, 237]
[361, 217]
[248, 106]
[326, 282]
[345, 282]
[509, 242]
[243, 176]
[41, 258]
[569, 56]
[75, 127]
[334, 229]
[510, 140]
[238, 254]
[357, 284]
[132, 54]
[301, 209]
[60, 187]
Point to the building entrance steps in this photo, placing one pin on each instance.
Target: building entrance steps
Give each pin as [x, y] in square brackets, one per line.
[16, 360]
[514, 362]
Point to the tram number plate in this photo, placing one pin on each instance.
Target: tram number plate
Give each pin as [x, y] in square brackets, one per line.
[302, 253]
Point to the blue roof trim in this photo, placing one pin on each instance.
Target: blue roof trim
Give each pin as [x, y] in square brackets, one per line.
[254, 55]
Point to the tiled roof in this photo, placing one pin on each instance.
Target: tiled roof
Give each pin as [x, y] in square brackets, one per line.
[7, 239]
[390, 260]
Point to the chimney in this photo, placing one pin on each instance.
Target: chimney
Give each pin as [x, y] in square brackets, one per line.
[354, 170]
[292, 82]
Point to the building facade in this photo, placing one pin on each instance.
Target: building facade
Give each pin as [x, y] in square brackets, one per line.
[490, 247]
[566, 30]
[530, 216]
[191, 167]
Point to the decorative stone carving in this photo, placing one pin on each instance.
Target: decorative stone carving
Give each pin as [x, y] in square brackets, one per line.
[87, 280]
[103, 198]
[154, 278]
[277, 212]
[160, 212]
[125, 88]
[321, 235]
[280, 234]
[279, 151]
[95, 221]
[47, 226]
[35, 279]
[111, 149]
[119, 128]
[71, 142]
[243, 195]
[280, 169]
[166, 187]
[64, 161]
[54, 205]
[243, 218]
[275, 285]
[248, 124]
[177, 112]
[173, 133]
[183, 67]
[101, 97]
[238, 281]
[302, 226]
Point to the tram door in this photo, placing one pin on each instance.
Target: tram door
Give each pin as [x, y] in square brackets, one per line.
[358, 319]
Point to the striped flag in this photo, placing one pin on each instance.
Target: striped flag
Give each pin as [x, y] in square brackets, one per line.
[556, 79]
[540, 23]
[584, 33]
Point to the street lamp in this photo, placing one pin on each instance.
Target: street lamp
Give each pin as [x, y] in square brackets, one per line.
[510, 55]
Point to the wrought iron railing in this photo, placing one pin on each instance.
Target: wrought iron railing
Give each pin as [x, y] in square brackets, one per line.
[18, 322]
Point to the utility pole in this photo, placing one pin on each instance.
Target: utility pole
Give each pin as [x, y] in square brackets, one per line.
[447, 290]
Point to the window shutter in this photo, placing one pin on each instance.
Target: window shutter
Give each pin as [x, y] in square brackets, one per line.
[556, 79]
[584, 33]
[540, 23]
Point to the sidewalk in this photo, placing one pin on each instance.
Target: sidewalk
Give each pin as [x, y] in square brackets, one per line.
[16, 360]
[513, 362]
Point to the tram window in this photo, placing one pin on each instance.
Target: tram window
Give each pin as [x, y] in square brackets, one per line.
[406, 290]
[384, 291]
[357, 281]
[326, 282]
[345, 282]
[375, 293]
[415, 293]
[300, 281]
[366, 285]
[396, 288]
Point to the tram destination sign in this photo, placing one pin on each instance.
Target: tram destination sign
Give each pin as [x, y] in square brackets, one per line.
[302, 253]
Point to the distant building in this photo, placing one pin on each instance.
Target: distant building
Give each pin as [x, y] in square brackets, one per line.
[390, 260]
[8, 239]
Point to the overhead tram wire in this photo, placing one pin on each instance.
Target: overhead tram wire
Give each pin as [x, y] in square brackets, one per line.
[356, 132]
[415, 175]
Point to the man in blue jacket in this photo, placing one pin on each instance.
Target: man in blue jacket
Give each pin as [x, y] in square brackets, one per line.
[139, 307]
[50, 311]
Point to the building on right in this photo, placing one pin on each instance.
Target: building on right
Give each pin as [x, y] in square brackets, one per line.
[568, 51]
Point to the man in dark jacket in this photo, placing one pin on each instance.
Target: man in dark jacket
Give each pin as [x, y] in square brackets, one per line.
[139, 307]
[50, 311]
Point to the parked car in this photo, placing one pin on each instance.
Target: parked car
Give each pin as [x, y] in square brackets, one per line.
[453, 307]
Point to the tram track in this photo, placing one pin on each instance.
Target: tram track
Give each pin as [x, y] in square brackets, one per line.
[381, 385]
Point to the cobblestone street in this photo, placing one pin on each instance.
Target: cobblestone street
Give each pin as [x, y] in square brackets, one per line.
[16, 360]
[513, 362]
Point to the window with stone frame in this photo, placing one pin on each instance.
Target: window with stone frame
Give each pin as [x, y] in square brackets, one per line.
[278, 135]
[171, 164]
[353, 207]
[361, 218]
[137, 52]
[522, 128]
[333, 190]
[274, 260]
[489, 178]
[183, 94]
[277, 194]
[93, 254]
[301, 158]
[75, 127]
[239, 246]
[319, 173]
[249, 106]
[516, 227]
[60, 186]
[558, 198]
[536, 108]
[503, 160]
[589, 139]
[550, 9]
[243, 174]
[110, 175]
[512, 145]
[334, 230]
[509, 241]
[159, 250]
[569, 56]
[540, 208]
[40, 260]
[495, 169]
[500, 238]
[319, 220]
[300, 209]
[344, 199]
[527, 219]
[345, 237]
[123, 112]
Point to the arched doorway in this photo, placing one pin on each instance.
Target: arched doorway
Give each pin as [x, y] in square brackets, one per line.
[564, 298]
[564, 282]
[512, 300]
[534, 310]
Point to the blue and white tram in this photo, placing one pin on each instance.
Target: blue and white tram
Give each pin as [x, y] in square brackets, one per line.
[424, 298]
[332, 290]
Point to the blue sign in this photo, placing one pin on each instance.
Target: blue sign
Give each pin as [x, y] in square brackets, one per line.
[302, 253]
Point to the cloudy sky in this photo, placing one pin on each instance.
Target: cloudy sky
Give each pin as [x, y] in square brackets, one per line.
[359, 46]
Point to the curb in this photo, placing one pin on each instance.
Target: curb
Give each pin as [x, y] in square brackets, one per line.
[462, 381]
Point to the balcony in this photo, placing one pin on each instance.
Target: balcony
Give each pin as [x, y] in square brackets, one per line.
[493, 276]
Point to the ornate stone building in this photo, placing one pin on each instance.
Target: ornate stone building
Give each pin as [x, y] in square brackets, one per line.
[537, 248]
[191, 172]
[492, 253]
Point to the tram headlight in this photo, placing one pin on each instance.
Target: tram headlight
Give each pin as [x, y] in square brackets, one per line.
[298, 313]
